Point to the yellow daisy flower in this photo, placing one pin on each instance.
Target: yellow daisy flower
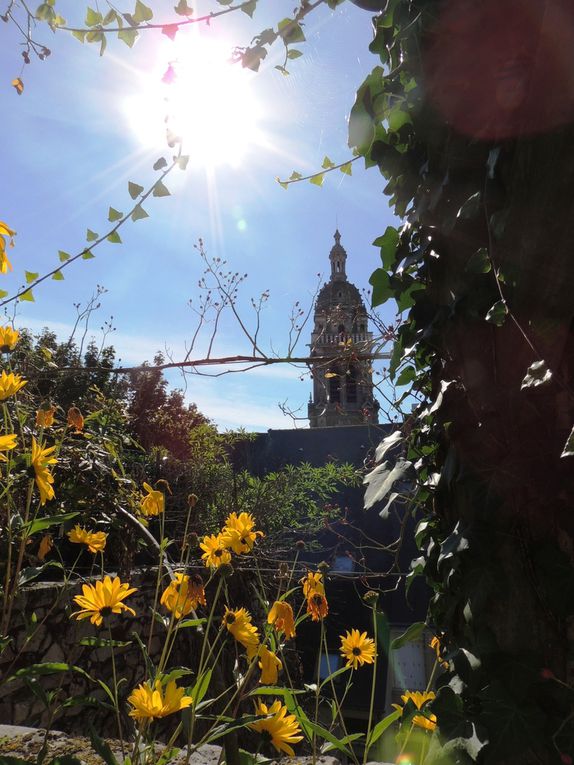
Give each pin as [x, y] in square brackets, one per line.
[153, 503]
[5, 264]
[75, 419]
[94, 540]
[419, 700]
[214, 552]
[357, 648]
[6, 443]
[8, 339]
[10, 384]
[282, 619]
[238, 532]
[317, 606]
[45, 416]
[437, 648]
[281, 727]
[183, 594]
[269, 665]
[238, 622]
[313, 583]
[41, 458]
[102, 599]
[152, 702]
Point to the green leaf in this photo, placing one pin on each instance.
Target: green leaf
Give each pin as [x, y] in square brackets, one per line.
[184, 623]
[31, 276]
[142, 13]
[290, 31]
[102, 748]
[397, 118]
[412, 633]
[347, 168]
[30, 573]
[327, 163]
[37, 670]
[479, 263]
[58, 276]
[96, 642]
[406, 376]
[536, 375]
[327, 736]
[3, 293]
[183, 9]
[388, 243]
[317, 180]
[470, 208]
[88, 255]
[79, 35]
[497, 314]
[114, 215]
[27, 297]
[93, 18]
[381, 727]
[160, 190]
[282, 183]
[294, 53]
[91, 236]
[139, 213]
[382, 291]
[381, 480]
[160, 163]
[295, 176]
[110, 17]
[201, 686]
[114, 238]
[568, 450]
[284, 72]
[63, 256]
[41, 524]
[249, 8]
[129, 36]
[134, 189]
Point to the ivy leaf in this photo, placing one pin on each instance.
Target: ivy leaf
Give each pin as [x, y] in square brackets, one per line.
[160, 190]
[479, 263]
[93, 17]
[397, 118]
[497, 314]
[160, 163]
[87, 255]
[295, 176]
[129, 36]
[388, 243]
[388, 443]
[142, 13]
[63, 256]
[317, 180]
[347, 168]
[281, 183]
[139, 213]
[31, 276]
[114, 215]
[294, 53]
[536, 374]
[290, 31]
[381, 480]
[80, 35]
[3, 293]
[284, 72]
[249, 8]
[379, 281]
[114, 238]
[170, 30]
[110, 17]
[58, 276]
[183, 9]
[27, 297]
[327, 163]
[134, 189]
[410, 635]
[91, 236]
[470, 208]
[568, 450]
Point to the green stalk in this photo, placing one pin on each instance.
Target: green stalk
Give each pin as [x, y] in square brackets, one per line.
[373, 685]
[116, 701]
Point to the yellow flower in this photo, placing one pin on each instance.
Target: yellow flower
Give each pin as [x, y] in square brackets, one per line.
[317, 606]
[281, 617]
[214, 552]
[6, 443]
[41, 458]
[45, 416]
[8, 339]
[102, 599]
[150, 702]
[419, 700]
[10, 384]
[94, 540]
[238, 622]
[283, 728]
[357, 648]
[75, 420]
[436, 646]
[238, 532]
[313, 583]
[183, 595]
[45, 546]
[153, 503]
[5, 264]
[269, 665]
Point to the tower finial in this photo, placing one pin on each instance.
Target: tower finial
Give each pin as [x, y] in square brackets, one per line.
[337, 236]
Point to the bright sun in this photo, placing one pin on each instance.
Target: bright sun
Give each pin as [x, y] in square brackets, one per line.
[197, 94]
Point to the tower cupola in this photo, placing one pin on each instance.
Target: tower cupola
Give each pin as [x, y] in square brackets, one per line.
[338, 258]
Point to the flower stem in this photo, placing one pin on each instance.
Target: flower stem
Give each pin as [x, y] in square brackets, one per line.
[373, 686]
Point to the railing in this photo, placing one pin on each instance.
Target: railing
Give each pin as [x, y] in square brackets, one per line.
[340, 337]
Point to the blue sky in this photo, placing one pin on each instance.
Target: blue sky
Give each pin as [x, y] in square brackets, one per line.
[70, 146]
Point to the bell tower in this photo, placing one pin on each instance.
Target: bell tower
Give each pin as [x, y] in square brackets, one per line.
[342, 388]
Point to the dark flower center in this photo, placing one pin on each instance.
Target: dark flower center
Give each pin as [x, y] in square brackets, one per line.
[230, 618]
[105, 610]
[218, 553]
[267, 737]
[356, 651]
[243, 541]
[317, 599]
[197, 580]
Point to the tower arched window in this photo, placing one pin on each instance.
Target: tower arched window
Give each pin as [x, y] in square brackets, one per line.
[334, 386]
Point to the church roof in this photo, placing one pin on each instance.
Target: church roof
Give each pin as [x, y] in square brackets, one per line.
[336, 293]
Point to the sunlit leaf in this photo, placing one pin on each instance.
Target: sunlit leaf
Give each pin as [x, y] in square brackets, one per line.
[537, 374]
[139, 213]
[63, 256]
[87, 255]
[568, 450]
[347, 168]
[91, 236]
[142, 13]
[27, 297]
[160, 190]
[497, 314]
[31, 276]
[58, 276]
[114, 238]
[134, 189]
[129, 36]
[249, 8]
[290, 31]
[327, 163]
[183, 161]
[183, 9]
[409, 635]
[317, 180]
[114, 215]
[294, 53]
[93, 17]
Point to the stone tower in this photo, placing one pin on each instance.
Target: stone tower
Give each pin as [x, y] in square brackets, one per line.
[342, 389]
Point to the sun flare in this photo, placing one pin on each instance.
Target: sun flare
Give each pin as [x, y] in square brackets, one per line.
[197, 94]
